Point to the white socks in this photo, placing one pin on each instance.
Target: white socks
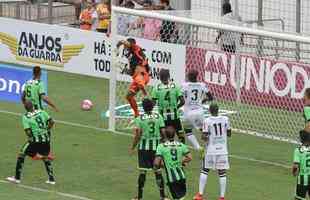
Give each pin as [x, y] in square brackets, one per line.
[203, 180]
[193, 140]
[223, 181]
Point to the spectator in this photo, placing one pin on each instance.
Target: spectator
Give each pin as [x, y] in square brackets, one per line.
[229, 40]
[168, 30]
[124, 21]
[86, 16]
[151, 26]
[104, 16]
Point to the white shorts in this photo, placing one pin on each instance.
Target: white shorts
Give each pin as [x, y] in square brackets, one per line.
[193, 119]
[216, 162]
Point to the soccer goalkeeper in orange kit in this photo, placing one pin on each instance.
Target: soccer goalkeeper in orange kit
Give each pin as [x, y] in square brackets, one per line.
[138, 69]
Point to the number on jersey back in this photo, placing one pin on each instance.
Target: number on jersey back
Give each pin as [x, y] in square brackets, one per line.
[194, 93]
[217, 128]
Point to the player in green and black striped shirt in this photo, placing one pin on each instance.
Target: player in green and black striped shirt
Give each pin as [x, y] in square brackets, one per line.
[149, 128]
[174, 155]
[169, 99]
[301, 166]
[307, 110]
[37, 124]
[34, 91]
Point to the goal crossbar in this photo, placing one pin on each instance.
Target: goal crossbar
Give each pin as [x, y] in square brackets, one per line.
[207, 24]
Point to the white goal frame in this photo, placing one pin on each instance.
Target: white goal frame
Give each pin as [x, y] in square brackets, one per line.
[205, 24]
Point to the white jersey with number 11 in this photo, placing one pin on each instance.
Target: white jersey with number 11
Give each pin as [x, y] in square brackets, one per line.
[216, 127]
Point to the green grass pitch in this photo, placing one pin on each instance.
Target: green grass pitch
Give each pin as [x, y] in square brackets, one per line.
[95, 164]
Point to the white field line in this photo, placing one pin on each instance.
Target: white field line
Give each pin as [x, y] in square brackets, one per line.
[48, 191]
[130, 135]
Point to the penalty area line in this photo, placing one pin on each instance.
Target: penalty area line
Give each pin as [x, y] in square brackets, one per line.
[72, 196]
[73, 124]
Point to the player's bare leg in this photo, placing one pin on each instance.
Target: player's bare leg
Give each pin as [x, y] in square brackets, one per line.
[223, 181]
[133, 103]
[202, 183]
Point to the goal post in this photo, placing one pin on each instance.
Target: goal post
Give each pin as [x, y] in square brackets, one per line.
[254, 73]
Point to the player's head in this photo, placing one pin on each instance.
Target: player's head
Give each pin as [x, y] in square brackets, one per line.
[28, 106]
[36, 72]
[214, 109]
[226, 8]
[164, 75]
[170, 132]
[147, 105]
[307, 96]
[304, 137]
[192, 75]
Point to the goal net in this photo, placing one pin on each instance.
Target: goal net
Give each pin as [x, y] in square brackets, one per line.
[258, 77]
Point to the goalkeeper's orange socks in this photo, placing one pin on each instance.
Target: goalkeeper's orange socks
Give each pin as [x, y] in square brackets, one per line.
[133, 105]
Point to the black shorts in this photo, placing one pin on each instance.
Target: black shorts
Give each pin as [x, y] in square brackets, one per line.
[176, 123]
[302, 190]
[32, 148]
[178, 189]
[146, 159]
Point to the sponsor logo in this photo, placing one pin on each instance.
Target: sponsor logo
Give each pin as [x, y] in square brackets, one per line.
[40, 48]
[12, 82]
[125, 112]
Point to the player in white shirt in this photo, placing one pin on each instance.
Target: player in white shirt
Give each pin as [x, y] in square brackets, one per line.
[196, 94]
[216, 129]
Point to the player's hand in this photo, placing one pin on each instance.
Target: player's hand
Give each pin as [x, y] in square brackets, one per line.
[295, 170]
[132, 151]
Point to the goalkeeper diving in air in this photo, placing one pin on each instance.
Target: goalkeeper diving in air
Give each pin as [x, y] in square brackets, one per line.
[138, 69]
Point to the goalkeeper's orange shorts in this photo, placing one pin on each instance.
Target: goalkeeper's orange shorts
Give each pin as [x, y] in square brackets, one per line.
[140, 79]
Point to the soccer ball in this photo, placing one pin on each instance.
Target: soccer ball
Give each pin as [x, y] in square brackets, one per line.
[86, 105]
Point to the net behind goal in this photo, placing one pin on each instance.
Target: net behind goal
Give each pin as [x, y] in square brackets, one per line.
[258, 77]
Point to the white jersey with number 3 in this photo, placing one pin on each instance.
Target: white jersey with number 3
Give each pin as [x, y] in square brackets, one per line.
[194, 93]
[216, 127]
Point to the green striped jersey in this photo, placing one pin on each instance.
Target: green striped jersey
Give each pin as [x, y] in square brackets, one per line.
[150, 124]
[34, 90]
[302, 158]
[167, 98]
[307, 113]
[37, 121]
[172, 153]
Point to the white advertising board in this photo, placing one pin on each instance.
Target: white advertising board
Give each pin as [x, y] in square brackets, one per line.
[77, 51]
